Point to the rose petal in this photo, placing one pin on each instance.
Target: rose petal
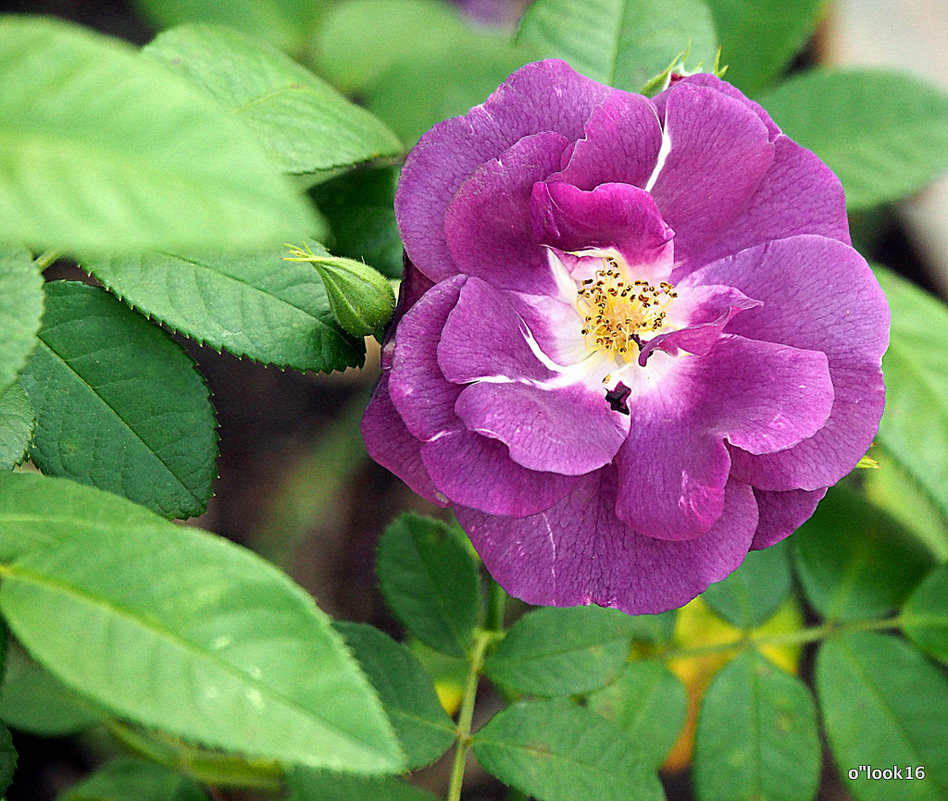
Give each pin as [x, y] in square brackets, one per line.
[798, 195]
[488, 227]
[709, 81]
[484, 337]
[671, 472]
[708, 310]
[477, 472]
[674, 465]
[621, 141]
[782, 513]
[568, 430]
[578, 552]
[719, 152]
[391, 444]
[422, 395]
[818, 294]
[612, 215]
[545, 96]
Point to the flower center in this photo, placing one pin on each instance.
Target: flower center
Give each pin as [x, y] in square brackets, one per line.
[617, 312]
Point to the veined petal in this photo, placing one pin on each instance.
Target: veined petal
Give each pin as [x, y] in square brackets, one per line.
[578, 552]
[475, 471]
[546, 96]
[487, 223]
[568, 430]
[620, 144]
[718, 154]
[782, 513]
[611, 216]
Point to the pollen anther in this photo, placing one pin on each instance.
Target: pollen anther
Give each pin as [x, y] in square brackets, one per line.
[618, 312]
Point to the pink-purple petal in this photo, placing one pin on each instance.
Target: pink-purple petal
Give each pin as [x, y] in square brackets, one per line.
[782, 513]
[487, 223]
[578, 552]
[392, 445]
[612, 215]
[422, 395]
[567, 430]
[672, 473]
[475, 471]
[720, 151]
[798, 195]
[546, 96]
[818, 294]
[620, 144]
[761, 396]
[485, 337]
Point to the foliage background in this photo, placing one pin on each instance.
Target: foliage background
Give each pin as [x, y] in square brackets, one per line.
[296, 485]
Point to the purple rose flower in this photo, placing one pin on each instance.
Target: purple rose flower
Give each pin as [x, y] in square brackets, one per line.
[633, 340]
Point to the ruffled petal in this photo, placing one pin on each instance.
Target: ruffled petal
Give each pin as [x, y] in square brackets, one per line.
[620, 144]
[706, 311]
[422, 395]
[545, 96]
[798, 195]
[391, 444]
[709, 81]
[612, 215]
[671, 471]
[782, 513]
[485, 338]
[476, 471]
[569, 430]
[719, 151]
[578, 552]
[673, 467]
[818, 294]
[488, 226]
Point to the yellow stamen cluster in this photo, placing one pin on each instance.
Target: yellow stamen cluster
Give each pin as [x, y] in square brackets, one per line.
[617, 312]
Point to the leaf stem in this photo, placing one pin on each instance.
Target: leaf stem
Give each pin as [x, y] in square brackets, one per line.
[799, 637]
[466, 716]
[496, 603]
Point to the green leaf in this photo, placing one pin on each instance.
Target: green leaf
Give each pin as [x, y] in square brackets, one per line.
[21, 307]
[884, 706]
[649, 704]
[430, 581]
[757, 735]
[104, 150]
[759, 40]
[894, 489]
[359, 209]
[914, 428]
[304, 124]
[35, 701]
[234, 655]
[119, 404]
[622, 43]
[884, 134]
[361, 299]
[253, 305]
[925, 616]
[135, 780]
[16, 426]
[311, 785]
[854, 561]
[561, 651]
[558, 751]
[361, 40]
[405, 689]
[753, 592]
[7, 758]
[466, 75]
[287, 24]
